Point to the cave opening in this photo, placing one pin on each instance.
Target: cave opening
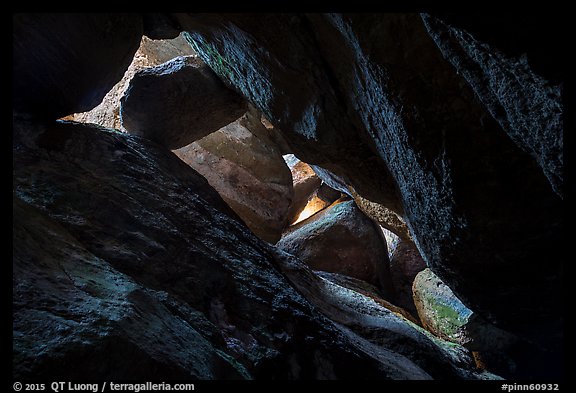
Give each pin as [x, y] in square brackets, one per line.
[288, 197]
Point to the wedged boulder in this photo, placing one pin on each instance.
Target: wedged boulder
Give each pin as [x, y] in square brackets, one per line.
[248, 172]
[341, 239]
[377, 90]
[150, 53]
[405, 263]
[65, 63]
[439, 309]
[128, 265]
[178, 102]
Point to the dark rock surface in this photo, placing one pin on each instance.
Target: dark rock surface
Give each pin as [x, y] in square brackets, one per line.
[442, 313]
[405, 263]
[127, 264]
[340, 239]
[66, 63]
[371, 98]
[178, 102]
[527, 106]
[248, 172]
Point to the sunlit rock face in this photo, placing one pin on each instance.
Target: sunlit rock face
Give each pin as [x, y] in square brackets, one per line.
[66, 63]
[246, 168]
[377, 100]
[305, 183]
[150, 53]
[178, 102]
[340, 239]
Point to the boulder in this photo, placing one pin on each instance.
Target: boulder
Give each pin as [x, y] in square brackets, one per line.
[178, 102]
[373, 99]
[128, 265]
[249, 174]
[150, 53]
[439, 309]
[405, 263]
[340, 239]
[66, 63]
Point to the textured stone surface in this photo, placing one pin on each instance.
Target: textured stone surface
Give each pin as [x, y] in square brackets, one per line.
[66, 63]
[150, 53]
[439, 309]
[527, 106]
[340, 239]
[178, 102]
[372, 98]
[128, 265]
[248, 172]
[382, 215]
[405, 263]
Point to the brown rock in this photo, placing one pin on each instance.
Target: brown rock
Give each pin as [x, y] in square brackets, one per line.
[340, 239]
[178, 102]
[249, 174]
[305, 183]
[66, 63]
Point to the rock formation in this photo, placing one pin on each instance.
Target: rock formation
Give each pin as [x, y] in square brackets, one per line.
[247, 170]
[178, 102]
[445, 129]
[373, 99]
[340, 239]
[123, 250]
[150, 53]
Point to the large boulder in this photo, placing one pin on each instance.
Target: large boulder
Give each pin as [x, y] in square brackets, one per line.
[150, 53]
[340, 239]
[248, 172]
[128, 265]
[66, 63]
[178, 102]
[373, 99]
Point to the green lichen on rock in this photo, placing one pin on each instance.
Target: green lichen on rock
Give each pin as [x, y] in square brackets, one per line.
[439, 309]
[211, 56]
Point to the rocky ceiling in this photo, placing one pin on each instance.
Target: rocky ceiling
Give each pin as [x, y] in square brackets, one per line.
[161, 245]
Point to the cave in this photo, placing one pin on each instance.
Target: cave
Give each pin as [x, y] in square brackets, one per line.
[370, 196]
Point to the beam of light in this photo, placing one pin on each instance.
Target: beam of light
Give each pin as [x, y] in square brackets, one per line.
[313, 206]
